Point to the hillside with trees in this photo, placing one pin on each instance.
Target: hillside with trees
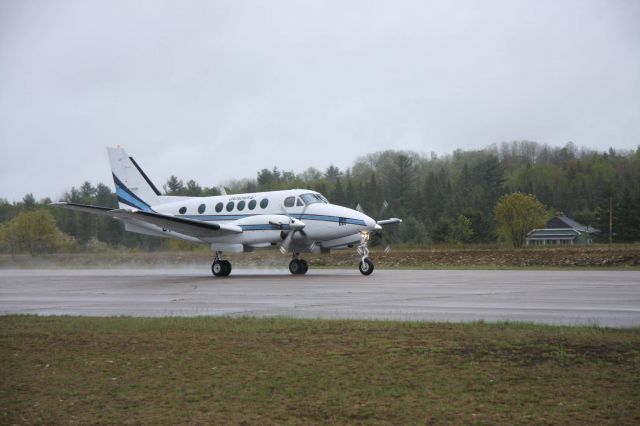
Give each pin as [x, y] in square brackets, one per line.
[442, 199]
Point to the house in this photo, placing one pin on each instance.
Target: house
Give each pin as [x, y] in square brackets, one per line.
[561, 230]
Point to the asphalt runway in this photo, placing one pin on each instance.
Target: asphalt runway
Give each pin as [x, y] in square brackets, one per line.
[605, 298]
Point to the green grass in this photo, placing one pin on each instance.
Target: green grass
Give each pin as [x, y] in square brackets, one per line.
[278, 370]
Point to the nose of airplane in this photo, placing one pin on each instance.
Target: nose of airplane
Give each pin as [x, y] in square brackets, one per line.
[371, 224]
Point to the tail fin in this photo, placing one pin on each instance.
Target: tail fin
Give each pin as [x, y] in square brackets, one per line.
[133, 187]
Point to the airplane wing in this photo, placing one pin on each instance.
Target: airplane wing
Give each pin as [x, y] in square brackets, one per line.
[193, 228]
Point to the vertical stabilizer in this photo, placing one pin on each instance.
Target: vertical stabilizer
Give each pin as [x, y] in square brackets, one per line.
[133, 187]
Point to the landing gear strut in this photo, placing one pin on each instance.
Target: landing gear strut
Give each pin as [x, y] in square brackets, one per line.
[219, 267]
[366, 265]
[298, 266]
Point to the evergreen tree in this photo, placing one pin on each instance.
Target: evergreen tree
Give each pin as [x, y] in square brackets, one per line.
[338, 196]
[174, 186]
[29, 202]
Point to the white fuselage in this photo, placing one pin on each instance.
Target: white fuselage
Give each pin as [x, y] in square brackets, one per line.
[258, 215]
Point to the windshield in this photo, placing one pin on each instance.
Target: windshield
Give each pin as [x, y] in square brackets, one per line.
[313, 198]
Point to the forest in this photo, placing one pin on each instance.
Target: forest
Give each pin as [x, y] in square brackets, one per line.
[446, 199]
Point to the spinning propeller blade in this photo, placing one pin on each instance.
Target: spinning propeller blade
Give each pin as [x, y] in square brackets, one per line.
[295, 225]
[379, 235]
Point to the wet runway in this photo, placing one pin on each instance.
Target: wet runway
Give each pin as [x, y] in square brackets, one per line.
[606, 298]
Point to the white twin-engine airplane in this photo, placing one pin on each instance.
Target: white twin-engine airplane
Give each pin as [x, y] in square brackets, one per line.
[300, 220]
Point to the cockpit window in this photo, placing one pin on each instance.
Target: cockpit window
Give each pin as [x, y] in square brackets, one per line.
[299, 203]
[312, 198]
[289, 201]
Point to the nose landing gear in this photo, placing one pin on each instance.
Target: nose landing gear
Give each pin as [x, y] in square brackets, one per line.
[219, 267]
[366, 265]
[298, 266]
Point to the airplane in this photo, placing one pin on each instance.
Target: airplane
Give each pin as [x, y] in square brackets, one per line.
[298, 220]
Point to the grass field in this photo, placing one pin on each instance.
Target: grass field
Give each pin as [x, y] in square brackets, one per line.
[264, 371]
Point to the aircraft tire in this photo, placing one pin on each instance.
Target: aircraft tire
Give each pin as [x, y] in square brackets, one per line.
[227, 268]
[366, 267]
[304, 265]
[295, 267]
[218, 268]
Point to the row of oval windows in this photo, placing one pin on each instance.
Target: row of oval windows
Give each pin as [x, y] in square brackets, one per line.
[230, 205]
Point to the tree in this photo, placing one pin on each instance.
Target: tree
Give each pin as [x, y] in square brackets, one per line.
[31, 231]
[174, 186]
[338, 196]
[412, 231]
[87, 190]
[401, 184]
[311, 174]
[29, 202]
[193, 189]
[332, 174]
[517, 214]
[461, 230]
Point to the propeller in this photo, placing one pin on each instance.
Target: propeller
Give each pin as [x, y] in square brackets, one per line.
[378, 237]
[295, 225]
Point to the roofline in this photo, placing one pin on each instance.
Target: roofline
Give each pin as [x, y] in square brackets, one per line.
[554, 230]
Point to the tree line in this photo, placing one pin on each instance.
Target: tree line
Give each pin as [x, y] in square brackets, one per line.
[442, 199]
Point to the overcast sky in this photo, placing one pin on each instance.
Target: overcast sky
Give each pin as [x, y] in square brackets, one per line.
[215, 90]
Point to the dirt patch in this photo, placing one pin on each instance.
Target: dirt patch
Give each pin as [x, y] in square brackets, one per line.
[600, 256]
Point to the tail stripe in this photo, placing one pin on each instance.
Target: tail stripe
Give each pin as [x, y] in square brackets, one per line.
[145, 177]
[128, 197]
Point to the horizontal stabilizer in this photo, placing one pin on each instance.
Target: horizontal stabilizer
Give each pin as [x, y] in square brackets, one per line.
[103, 211]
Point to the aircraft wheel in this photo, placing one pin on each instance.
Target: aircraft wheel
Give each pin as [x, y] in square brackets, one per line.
[218, 268]
[304, 265]
[366, 267]
[227, 268]
[295, 267]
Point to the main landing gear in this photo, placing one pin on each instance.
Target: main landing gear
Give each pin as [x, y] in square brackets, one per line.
[298, 266]
[219, 267]
[366, 265]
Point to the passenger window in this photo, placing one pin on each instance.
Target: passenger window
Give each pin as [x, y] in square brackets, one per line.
[264, 203]
[289, 201]
[201, 208]
[182, 210]
[241, 205]
[299, 203]
[230, 205]
[219, 207]
[252, 204]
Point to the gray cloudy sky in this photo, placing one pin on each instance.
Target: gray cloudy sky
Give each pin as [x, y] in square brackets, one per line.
[215, 90]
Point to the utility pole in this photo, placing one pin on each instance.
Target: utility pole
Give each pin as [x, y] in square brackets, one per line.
[610, 219]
